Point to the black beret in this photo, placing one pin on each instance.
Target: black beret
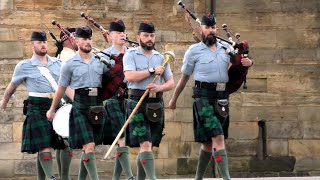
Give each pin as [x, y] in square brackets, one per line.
[208, 20]
[84, 32]
[146, 27]
[38, 36]
[117, 25]
[64, 36]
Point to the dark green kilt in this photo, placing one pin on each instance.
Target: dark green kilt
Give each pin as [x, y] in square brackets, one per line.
[81, 130]
[37, 132]
[206, 123]
[140, 129]
[114, 121]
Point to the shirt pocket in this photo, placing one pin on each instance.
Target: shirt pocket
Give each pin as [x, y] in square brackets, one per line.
[225, 60]
[97, 75]
[98, 70]
[79, 75]
[206, 65]
[36, 80]
[55, 75]
[141, 67]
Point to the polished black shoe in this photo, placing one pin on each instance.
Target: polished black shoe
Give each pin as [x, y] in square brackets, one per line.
[52, 178]
[132, 178]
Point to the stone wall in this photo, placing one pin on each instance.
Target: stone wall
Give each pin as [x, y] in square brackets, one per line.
[275, 123]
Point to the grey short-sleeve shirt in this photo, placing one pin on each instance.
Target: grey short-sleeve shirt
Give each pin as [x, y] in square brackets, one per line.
[206, 65]
[135, 60]
[78, 74]
[27, 72]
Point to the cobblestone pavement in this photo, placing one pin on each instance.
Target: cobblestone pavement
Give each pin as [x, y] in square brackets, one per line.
[264, 178]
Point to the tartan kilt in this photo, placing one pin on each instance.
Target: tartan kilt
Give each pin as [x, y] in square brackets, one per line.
[37, 131]
[142, 129]
[206, 123]
[81, 130]
[114, 120]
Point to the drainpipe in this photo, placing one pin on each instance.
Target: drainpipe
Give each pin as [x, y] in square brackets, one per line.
[213, 8]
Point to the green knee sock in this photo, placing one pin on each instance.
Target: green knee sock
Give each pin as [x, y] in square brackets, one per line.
[66, 157]
[222, 162]
[40, 173]
[117, 170]
[58, 162]
[147, 161]
[46, 163]
[203, 161]
[82, 170]
[141, 175]
[89, 160]
[123, 157]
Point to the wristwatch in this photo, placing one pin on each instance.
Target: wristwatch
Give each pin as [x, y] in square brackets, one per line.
[151, 71]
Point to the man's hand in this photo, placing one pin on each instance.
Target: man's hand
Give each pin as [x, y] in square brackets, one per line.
[172, 104]
[246, 62]
[154, 88]
[50, 114]
[3, 105]
[159, 70]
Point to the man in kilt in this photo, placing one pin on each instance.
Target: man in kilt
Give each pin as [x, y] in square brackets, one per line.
[83, 73]
[114, 106]
[38, 135]
[141, 64]
[64, 156]
[208, 62]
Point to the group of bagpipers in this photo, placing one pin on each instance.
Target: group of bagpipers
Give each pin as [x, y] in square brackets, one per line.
[116, 96]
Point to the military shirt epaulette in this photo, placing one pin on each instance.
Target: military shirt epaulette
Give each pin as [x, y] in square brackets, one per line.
[54, 59]
[25, 61]
[194, 45]
[132, 50]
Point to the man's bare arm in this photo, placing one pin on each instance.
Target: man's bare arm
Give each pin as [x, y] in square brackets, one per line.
[7, 94]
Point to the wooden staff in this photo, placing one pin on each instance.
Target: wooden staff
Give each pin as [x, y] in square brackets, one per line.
[168, 56]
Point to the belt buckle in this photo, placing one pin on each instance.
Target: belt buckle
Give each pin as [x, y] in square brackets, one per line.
[93, 92]
[152, 95]
[221, 86]
[51, 95]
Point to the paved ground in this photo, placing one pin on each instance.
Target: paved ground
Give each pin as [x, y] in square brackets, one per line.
[264, 178]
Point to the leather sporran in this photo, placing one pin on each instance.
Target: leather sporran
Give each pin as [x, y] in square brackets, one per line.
[25, 107]
[153, 111]
[96, 114]
[221, 107]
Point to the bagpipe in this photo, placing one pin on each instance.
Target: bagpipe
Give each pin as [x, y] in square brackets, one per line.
[112, 81]
[103, 31]
[69, 35]
[237, 72]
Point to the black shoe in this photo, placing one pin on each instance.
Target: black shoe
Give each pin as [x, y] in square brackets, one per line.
[52, 178]
[131, 178]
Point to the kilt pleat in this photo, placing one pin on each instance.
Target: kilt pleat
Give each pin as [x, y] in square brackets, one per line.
[143, 129]
[115, 119]
[81, 130]
[37, 131]
[206, 123]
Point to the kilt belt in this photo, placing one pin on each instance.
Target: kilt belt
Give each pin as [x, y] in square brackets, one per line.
[139, 93]
[87, 91]
[212, 86]
[42, 95]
